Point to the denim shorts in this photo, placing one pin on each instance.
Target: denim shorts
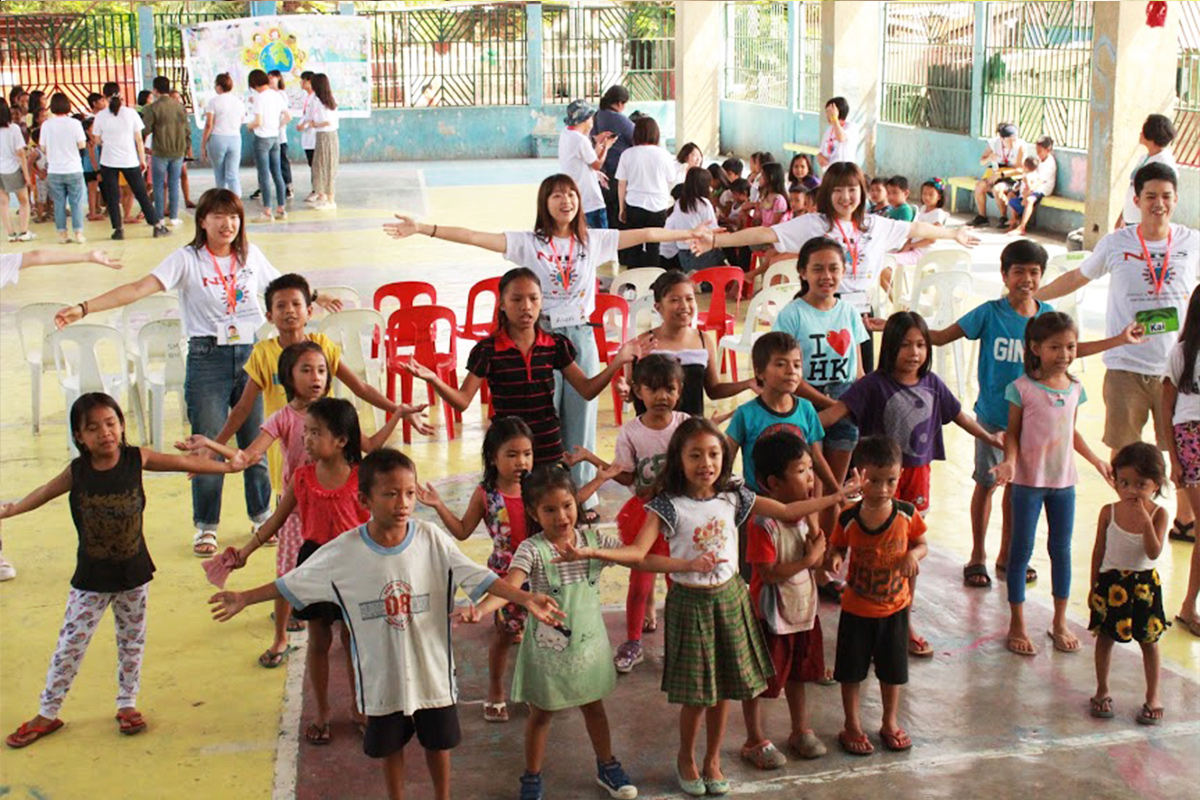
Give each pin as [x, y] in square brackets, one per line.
[986, 457]
[843, 435]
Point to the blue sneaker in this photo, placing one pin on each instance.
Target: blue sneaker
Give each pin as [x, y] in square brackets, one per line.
[615, 781]
[531, 786]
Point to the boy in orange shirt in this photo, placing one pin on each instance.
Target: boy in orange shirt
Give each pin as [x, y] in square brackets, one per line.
[887, 540]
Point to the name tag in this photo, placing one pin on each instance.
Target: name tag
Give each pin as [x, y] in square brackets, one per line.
[239, 328]
[1158, 320]
[861, 301]
[565, 316]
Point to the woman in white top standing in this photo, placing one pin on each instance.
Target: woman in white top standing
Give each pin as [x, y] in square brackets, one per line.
[564, 253]
[324, 120]
[61, 140]
[841, 137]
[581, 160]
[645, 175]
[222, 140]
[308, 134]
[123, 155]
[14, 174]
[270, 116]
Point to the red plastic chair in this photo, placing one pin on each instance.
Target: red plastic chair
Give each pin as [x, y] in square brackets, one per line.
[717, 319]
[477, 330]
[406, 293]
[604, 304]
[416, 329]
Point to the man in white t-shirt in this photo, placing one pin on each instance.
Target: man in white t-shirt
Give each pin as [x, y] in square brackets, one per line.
[1154, 268]
[1157, 134]
[394, 580]
[1004, 155]
[841, 137]
[584, 161]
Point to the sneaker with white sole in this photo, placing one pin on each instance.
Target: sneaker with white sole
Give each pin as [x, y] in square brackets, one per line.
[176, 222]
[27, 236]
[628, 656]
[327, 205]
[615, 780]
[80, 238]
[7, 570]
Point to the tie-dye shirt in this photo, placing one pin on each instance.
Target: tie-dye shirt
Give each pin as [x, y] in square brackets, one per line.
[1046, 458]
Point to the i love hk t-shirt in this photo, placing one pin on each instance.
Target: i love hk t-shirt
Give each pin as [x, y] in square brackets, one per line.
[828, 340]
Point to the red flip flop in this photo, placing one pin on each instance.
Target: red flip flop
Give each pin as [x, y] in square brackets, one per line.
[855, 745]
[131, 722]
[897, 742]
[27, 734]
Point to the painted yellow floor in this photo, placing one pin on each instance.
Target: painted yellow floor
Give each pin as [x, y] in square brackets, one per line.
[213, 712]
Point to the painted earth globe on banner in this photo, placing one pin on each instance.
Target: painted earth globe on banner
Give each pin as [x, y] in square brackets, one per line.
[278, 56]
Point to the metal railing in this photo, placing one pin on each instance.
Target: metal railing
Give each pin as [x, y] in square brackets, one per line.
[71, 53]
[1037, 69]
[1187, 87]
[454, 56]
[928, 56]
[589, 47]
[808, 77]
[756, 53]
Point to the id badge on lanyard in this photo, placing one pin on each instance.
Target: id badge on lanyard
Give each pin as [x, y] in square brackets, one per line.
[1164, 319]
[237, 326]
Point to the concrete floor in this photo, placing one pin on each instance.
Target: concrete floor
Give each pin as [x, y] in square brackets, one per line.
[222, 727]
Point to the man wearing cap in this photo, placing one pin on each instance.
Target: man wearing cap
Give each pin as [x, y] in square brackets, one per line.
[582, 160]
[1004, 156]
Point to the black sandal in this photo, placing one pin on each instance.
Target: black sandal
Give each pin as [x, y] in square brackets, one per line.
[1183, 533]
[976, 576]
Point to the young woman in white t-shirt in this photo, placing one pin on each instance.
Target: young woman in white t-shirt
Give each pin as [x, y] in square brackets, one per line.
[221, 143]
[841, 215]
[14, 175]
[645, 175]
[61, 140]
[275, 81]
[564, 253]
[118, 128]
[322, 117]
[692, 210]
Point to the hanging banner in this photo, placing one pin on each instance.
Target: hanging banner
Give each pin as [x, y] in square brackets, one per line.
[339, 46]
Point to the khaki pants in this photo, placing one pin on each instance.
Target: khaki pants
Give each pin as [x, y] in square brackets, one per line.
[1129, 399]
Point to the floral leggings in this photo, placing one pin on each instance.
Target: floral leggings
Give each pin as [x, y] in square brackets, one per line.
[84, 610]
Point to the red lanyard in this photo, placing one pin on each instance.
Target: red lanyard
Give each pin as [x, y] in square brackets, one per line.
[1162, 276]
[228, 284]
[563, 273]
[851, 245]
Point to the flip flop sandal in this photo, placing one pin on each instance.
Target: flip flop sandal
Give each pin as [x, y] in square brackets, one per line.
[1190, 625]
[976, 576]
[827, 679]
[855, 745]
[590, 517]
[649, 625]
[317, 735]
[27, 734]
[1012, 648]
[1062, 648]
[1149, 716]
[919, 647]
[1183, 533]
[270, 659]
[131, 722]
[495, 712]
[1101, 708]
[897, 742]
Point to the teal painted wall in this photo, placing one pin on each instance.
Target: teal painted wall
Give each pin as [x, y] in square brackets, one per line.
[747, 128]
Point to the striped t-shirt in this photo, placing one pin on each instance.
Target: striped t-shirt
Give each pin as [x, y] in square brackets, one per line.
[522, 384]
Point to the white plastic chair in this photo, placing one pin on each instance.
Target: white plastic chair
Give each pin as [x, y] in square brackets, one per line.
[643, 308]
[354, 330]
[939, 297]
[954, 259]
[762, 308]
[161, 368]
[347, 294]
[35, 322]
[785, 270]
[140, 312]
[640, 279]
[77, 358]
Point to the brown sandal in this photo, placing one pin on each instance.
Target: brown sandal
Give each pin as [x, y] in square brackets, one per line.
[131, 722]
[316, 734]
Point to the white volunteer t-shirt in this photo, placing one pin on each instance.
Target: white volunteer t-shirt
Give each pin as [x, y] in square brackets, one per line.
[228, 111]
[322, 114]
[397, 602]
[59, 139]
[576, 154]
[1187, 406]
[1005, 155]
[567, 275]
[837, 151]
[202, 298]
[268, 106]
[881, 236]
[1131, 213]
[1132, 289]
[10, 268]
[118, 134]
[11, 142]
[1047, 175]
[650, 173]
[308, 136]
[681, 220]
[282, 128]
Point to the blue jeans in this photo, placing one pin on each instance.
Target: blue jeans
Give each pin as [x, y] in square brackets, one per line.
[597, 218]
[164, 173]
[1027, 503]
[68, 187]
[213, 384]
[225, 154]
[578, 416]
[266, 158]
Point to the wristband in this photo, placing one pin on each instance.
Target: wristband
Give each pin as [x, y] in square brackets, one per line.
[84, 308]
[434, 234]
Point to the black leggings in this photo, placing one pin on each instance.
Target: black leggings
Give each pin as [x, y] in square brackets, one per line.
[285, 166]
[645, 255]
[111, 187]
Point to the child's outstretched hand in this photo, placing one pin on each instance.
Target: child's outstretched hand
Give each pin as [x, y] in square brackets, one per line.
[428, 496]
[226, 605]
[468, 614]
[852, 487]
[416, 417]
[910, 566]
[6, 510]
[965, 237]
[421, 371]
[705, 563]
[996, 440]
[104, 259]
[578, 455]
[834, 563]
[197, 444]
[1003, 472]
[721, 417]
[609, 472]
[544, 609]
[703, 239]
[569, 552]
[875, 324]
[1134, 333]
[406, 227]
[634, 349]
[239, 462]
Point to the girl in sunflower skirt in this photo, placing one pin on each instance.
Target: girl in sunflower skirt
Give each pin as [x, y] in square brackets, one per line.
[1126, 597]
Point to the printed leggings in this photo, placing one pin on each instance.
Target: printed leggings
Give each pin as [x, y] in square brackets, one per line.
[84, 610]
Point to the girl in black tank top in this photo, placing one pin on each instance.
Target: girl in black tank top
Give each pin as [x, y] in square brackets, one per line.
[113, 566]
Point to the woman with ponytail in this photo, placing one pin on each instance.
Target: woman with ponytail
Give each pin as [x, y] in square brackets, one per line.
[119, 130]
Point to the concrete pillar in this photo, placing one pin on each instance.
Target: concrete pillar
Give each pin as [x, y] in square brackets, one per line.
[977, 69]
[535, 76]
[699, 46]
[262, 8]
[1133, 74]
[145, 26]
[851, 64]
[795, 53]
